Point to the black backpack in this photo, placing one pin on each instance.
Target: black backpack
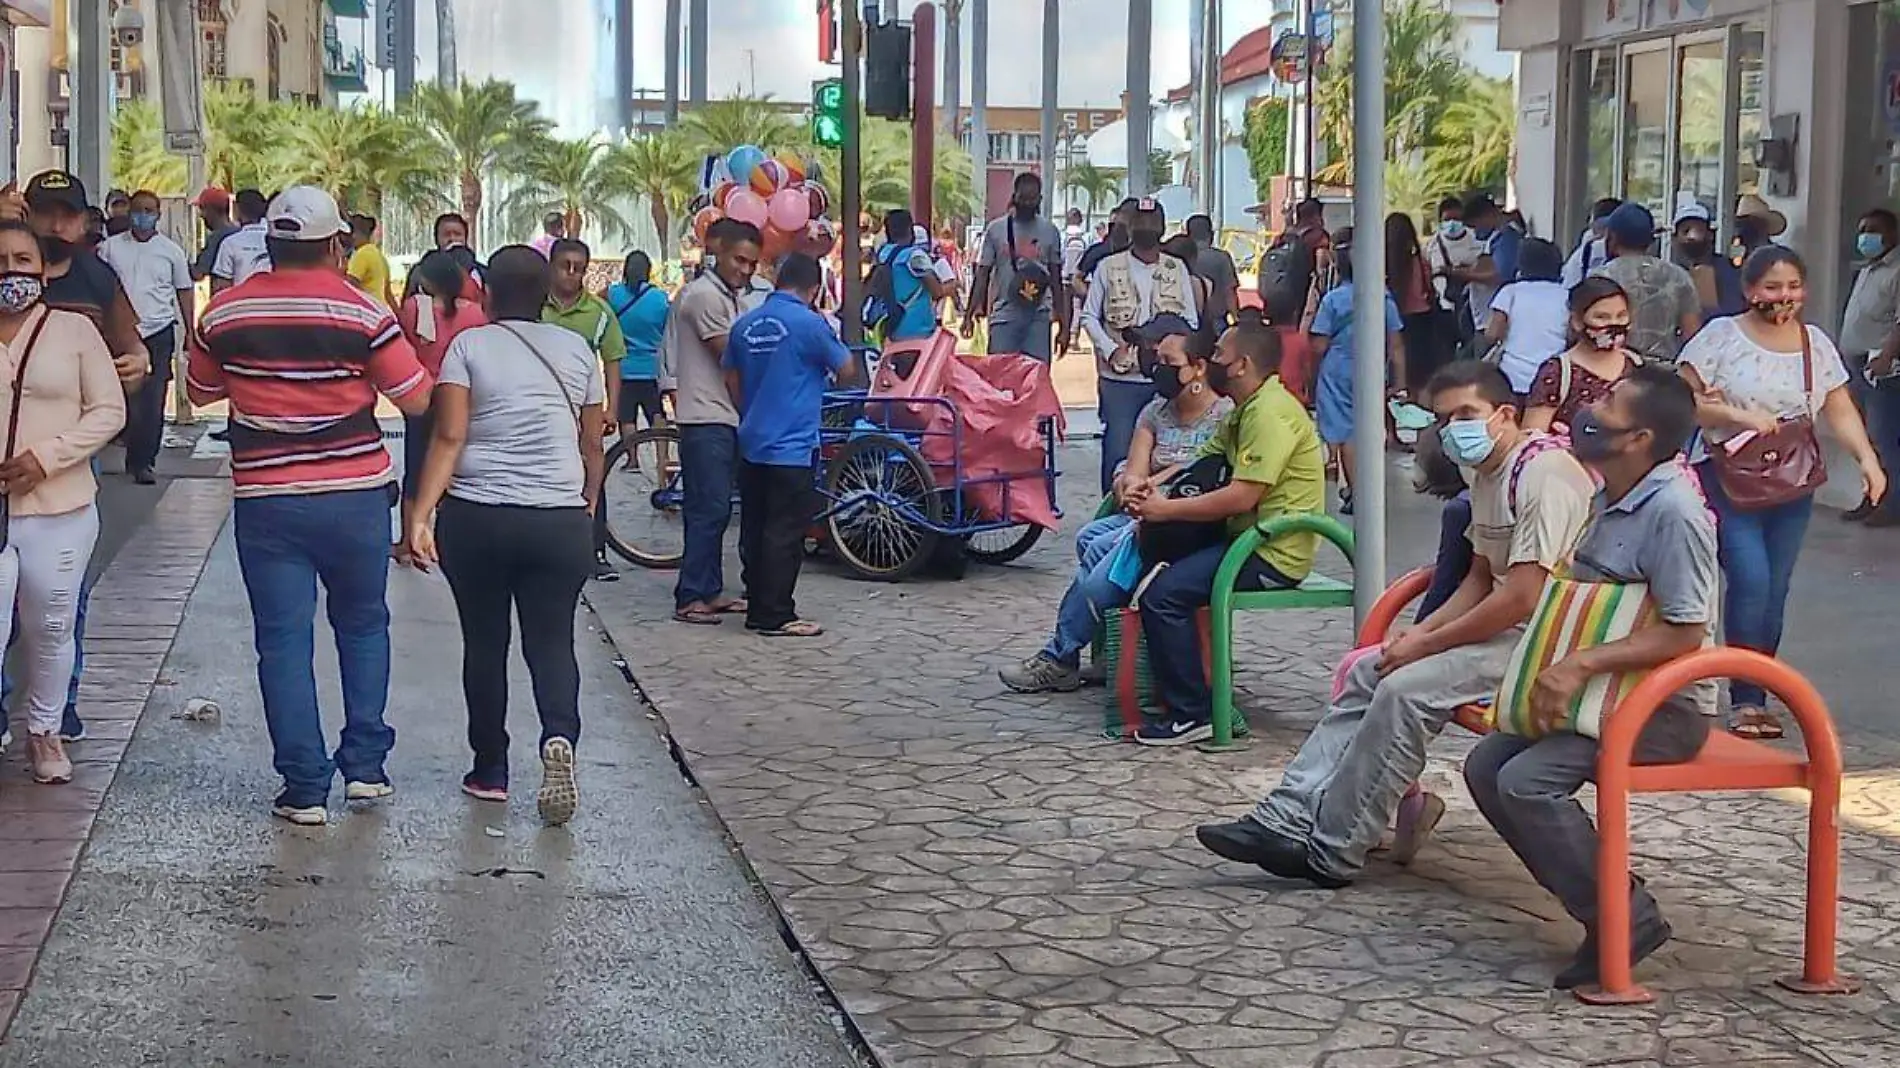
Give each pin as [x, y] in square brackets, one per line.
[1167, 541]
[1286, 277]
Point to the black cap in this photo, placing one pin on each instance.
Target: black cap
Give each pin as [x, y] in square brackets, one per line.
[56, 189]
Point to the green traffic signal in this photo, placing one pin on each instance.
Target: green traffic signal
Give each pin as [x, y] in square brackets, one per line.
[827, 113]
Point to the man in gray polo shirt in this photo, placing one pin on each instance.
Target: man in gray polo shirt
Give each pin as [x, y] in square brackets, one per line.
[1649, 524]
[1018, 281]
[690, 372]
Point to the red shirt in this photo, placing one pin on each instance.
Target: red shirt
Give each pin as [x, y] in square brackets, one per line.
[468, 313]
[301, 355]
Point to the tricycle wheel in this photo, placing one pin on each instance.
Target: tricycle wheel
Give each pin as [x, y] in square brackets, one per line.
[642, 497]
[1003, 545]
[883, 503]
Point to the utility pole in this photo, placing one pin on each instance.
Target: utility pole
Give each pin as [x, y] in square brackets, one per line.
[1051, 88]
[446, 68]
[623, 66]
[90, 72]
[850, 158]
[1307, 84]
[1141, 22]
[1368, 303]
[405, 50]
[952, 69]
[696, 53]
[923, 115]
[672, 31]
[1207, 133]
[979, 102]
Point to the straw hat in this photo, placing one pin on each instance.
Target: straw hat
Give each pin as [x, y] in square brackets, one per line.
[1754, 207]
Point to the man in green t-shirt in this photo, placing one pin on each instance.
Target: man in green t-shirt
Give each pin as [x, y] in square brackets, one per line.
[1278, 467]
[570, 305]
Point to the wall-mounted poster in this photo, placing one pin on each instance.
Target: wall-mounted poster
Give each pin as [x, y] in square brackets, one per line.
[1608, 18]
[1675, 12]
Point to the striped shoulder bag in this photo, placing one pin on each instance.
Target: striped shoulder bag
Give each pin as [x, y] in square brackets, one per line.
[1572, 615]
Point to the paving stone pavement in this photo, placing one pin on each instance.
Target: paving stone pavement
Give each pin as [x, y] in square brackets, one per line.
[983, 880]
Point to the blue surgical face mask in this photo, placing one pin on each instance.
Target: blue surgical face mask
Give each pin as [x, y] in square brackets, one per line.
[145, 222]
[1452, 228]
[1467, 442]
[1870, 246]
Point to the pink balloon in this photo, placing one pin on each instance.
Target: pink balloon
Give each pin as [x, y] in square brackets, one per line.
[747, 207]
[789, 209]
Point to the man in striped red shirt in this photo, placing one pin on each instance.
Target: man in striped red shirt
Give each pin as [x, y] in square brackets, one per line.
[301, 355]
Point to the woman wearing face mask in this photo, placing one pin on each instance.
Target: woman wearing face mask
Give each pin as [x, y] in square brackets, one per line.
[1583, 374]
[1751, 373]
[63, 405]
[1332, 331]
[1169, 433]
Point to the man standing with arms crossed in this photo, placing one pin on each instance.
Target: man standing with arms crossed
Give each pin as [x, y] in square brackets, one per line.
[691, 373]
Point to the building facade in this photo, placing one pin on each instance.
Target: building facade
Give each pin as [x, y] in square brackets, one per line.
[1015, 145]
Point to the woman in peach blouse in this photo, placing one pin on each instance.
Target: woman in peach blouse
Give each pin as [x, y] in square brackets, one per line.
[62, 404]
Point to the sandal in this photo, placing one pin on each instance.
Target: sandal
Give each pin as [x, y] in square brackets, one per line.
[797, 628]
[736, 607]
[698, 617]
[1755, 724]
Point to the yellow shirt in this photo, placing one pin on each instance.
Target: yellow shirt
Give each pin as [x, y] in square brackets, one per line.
[369, 269]
[1271, 440]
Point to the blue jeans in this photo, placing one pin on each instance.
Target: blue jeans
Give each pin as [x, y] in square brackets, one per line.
[285, 545]
[1883, 426]
[1758, 552]
[709, 462]
[1453, 561]
[1119, 405]
[1090, 595]
[1168, 607]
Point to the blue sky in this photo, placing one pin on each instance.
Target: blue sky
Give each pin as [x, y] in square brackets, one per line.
[781, 37]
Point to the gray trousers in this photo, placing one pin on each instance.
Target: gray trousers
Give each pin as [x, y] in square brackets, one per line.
[1338, 793]
[1527, 790]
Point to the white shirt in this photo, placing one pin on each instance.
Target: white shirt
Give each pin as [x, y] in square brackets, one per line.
[1442, 252]
[1143, 276]
[242, 255]
[1760, 379]
[1873, 307]
[1539, 315]
[1589, 254]
[152, 272]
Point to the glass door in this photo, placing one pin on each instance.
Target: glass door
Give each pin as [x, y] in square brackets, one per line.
[1701, 125]
[1648, 103]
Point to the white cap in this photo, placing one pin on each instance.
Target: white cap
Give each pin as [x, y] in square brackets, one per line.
[1688, 207]
[304, 213]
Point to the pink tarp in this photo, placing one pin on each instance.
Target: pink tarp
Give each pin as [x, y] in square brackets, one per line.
[1000, 400]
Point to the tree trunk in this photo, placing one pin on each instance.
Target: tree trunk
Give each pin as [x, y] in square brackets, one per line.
[471, 203]
[656, 206]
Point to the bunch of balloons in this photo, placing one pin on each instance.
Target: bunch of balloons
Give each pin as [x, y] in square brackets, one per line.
[779, 195]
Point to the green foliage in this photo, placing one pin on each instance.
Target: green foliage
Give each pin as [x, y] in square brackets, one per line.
[1160, 169]
[1097, 186]
[368, 158]
[719, 126]
[661, 169]
[480, 129]
[1264, 134]
[1451, 127]
[139, 159]
[582, 180]
[885, 172]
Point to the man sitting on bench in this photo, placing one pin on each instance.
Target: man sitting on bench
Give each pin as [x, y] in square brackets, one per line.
[1528, 503]
[1278, 468]
[1650, 525]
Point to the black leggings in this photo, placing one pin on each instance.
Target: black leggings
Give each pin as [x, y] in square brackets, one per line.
[534, 560]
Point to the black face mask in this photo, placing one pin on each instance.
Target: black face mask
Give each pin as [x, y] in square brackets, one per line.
[1144, 240]
[1167, 379]
[1218, 376]
[1695, 250]
[1752, 231]
[1118, 237]
[1028, 209]
[56, 249]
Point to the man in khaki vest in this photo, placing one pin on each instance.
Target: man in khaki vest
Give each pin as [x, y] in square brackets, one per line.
[1128, 290]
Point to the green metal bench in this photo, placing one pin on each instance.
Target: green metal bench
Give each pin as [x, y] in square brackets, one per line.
[1318, 591]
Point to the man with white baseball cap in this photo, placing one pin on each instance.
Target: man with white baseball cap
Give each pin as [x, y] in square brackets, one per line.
[313, 485]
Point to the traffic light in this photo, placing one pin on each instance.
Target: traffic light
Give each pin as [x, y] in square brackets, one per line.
[827, 113]
[887, 71]
[828, 31]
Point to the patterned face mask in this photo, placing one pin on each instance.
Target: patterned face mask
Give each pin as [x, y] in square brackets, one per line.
[1776, 311]
[19, 291]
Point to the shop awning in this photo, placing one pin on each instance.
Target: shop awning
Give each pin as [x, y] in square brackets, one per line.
[349, 9]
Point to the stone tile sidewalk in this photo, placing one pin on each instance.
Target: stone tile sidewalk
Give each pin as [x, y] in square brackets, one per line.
[984, 881]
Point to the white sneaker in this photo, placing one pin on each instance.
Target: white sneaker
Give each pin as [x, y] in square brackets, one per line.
[302, 816]
[558, 796]
[48, 758]
[367, 791]
[6, 737]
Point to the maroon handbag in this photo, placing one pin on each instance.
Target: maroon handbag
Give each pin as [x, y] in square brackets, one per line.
[1783, 465]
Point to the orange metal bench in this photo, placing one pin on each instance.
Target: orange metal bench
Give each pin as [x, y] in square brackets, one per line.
[1725, 763]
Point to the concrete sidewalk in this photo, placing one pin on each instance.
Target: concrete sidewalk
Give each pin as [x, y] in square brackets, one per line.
[985, 881]
[429, 930]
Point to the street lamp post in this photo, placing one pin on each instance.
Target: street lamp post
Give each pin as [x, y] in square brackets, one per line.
[1368, 303]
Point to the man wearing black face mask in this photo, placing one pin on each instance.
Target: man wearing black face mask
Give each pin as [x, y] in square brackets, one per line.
[1116, 240]
[1130, 289]
[76, 279]
[1648, 525]
[1018, 281]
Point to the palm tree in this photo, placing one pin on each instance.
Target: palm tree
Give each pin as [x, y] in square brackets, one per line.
[1423, 75]
[719, 126]
[139, 158]
[241, 133]
[368, 158]
[482, 129]
[578, 179]
[1475, 136]
[1095, 185]
[663, 170]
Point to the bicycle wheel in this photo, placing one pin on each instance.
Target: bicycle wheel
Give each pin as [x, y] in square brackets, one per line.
[642, 498]
[879, 490]
[1002, 545]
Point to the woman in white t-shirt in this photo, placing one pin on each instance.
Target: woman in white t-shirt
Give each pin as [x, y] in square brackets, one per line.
[1531, 316]
[515, 466]
[1751, 372]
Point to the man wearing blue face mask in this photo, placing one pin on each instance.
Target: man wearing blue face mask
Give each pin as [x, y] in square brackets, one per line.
[1867, 328]
[1529, 499]
[156, 274]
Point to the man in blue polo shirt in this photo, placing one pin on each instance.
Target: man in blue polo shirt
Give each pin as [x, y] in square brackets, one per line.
[779, 358]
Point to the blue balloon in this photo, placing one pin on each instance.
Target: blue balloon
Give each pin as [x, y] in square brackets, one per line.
[742, 161]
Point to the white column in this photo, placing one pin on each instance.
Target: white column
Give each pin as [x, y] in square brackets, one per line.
[979, 99]
[1051, 68]
[1368, 305]
[1141, 17]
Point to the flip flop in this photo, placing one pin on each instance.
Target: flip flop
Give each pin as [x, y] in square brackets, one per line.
[797, 628]
[698, 617]
[1755, 724]
[736, 607]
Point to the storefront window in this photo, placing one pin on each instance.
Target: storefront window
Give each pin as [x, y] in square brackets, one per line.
[1750, 72]
[1700, 104]
[1646, 130]
[1600, 113]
